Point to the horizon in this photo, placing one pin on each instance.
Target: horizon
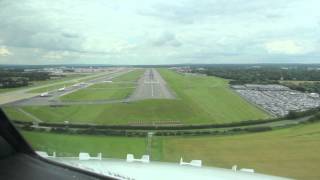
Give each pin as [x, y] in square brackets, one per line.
[178, 64]
[159, 32]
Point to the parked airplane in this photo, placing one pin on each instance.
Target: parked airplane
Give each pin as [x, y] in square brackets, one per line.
[62, 89]
[45, 94]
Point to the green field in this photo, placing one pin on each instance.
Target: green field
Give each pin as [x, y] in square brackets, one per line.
[71, 145]
[3, 90]
[200, 99]
[121, 87]
[117, 113]
[211, 96]
[108, 92]
[132, 76]
[113, 85]
[15, 114]
[291, 152]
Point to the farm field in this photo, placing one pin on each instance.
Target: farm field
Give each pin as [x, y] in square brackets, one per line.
[291, 152]
[200, 100]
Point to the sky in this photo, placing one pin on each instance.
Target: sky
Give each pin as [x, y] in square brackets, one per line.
[159, 31]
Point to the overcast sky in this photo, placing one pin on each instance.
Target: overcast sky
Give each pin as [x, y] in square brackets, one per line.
[159, 31]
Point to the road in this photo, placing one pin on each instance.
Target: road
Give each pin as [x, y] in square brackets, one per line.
[151, 86]
[53, 96]
[24, 93]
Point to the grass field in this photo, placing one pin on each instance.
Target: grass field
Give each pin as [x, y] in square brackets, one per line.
[212, 96]
[120, 88]
[3, 90]
[113, 85]
[118, 113]
[199, 100]
[15, 114]
[291, 152]
[132, 76]
[108, 92]
[71, 145]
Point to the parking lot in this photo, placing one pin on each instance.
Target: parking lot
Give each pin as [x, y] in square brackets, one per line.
[277, 99]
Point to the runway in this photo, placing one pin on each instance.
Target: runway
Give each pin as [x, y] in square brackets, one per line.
[151, 86]
[53, 96]
[17, 95]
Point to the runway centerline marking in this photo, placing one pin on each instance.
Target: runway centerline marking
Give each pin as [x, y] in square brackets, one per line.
[152, 90]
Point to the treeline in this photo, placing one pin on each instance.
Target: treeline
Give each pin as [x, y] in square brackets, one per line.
[311, 115]
[12, 82]
[314, 118]
[299, 114]
[140, 133]
[151, 127]
[311, 87]
[261, 74]
[17, 77]
[292, 115]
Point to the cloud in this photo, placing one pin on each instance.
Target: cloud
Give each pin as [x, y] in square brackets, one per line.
[191, 11]
[33, 27]
[121, 47]
[156, 31]
[289, 47]
[54, 55]
[4, 51]
[166, 39]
